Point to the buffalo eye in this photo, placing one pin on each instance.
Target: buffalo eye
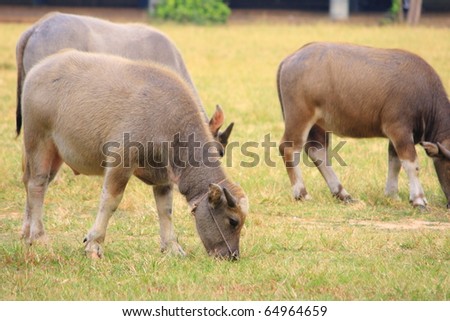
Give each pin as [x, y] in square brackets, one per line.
[234, 222]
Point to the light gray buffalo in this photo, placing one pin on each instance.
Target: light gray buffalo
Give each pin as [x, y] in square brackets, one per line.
[57, 31]
[358, 91]
[107, 115]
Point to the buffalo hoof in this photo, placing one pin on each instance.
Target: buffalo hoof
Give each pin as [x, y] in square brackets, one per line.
[350, 200]
[173, 248]
[25, 233]
[41, 239]
[301, 197]
[345, 198]
[93, 249]
[32, 235]
[422, 208]
[300, 194]
[32, 232]
[94, 255]
[419, 203]
[393, 196]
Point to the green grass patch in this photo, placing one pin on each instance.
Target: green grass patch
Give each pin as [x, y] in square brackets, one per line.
[376, 249]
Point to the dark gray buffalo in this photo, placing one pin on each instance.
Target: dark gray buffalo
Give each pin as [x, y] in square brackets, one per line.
[57, 31]
[79, 107]
[358, 91]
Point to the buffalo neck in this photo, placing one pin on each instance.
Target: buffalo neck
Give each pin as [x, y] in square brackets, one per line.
[194, 180]
[437, 122]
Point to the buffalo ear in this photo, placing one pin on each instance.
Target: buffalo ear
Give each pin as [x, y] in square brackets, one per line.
[444, 151]
[436, 150]
[216, 120]
[214, 194]
[223, 136]
[231, 201]
[431, 149]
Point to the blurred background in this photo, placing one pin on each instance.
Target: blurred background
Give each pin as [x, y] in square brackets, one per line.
[428, 12]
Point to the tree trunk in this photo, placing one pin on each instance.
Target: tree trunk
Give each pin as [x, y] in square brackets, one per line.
[414, 12]
[399, 6]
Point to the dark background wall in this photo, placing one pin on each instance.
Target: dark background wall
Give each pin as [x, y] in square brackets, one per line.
[315, 5]
[322, 5]
[80, 3]
[319, 5]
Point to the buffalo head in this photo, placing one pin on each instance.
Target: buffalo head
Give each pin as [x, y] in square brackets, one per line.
[219, 218]
[440, 153]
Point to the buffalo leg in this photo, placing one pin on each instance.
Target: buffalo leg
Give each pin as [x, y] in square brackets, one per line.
[114, 184]
[394, 166]
[316, 149]
[406, 151]
[291, 145]
[163, 198]
[416, 193]
[42, 162]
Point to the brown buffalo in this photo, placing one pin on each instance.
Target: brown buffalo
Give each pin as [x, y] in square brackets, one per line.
[57, 31]
[77, 105]
[358, 91]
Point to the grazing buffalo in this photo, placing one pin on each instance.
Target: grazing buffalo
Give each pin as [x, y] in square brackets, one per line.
[57, 31]
[358, 91]
[99, 114]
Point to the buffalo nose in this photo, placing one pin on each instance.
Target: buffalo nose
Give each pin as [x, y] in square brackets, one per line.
[234, 256]
[231, 256]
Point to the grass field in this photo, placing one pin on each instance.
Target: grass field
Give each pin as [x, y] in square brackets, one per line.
[375, 249]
